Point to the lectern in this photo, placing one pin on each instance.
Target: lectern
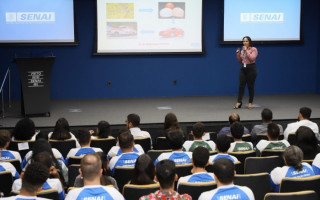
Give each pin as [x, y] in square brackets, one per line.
[35, 76]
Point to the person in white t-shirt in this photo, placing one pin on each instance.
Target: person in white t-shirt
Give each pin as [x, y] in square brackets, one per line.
[133, 123]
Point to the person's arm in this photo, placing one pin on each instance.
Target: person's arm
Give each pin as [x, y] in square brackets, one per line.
[252, 54]
[238, 53]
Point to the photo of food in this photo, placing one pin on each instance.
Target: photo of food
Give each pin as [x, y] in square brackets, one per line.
[120, 10]
[122, 29]
[171, 10]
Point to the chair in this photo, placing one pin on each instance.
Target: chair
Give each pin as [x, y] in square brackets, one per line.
[241, 156]
[74, 160]
[145, 143]
[22, 146]
[104, 143]
[195, 189]
[270, 152]
[308, 161]
[6, 182]
[258, 183]
[15, 163]
[123, 175]
[131, 191]
[308, 194]
[299, 184]
[292, 138]
[262, 164]
[73, 172]
[184, 169]
[154, 154]
[48, 193]
[162, 143]
[63, 146]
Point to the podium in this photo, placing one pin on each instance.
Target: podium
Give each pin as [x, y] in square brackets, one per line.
[35, 74]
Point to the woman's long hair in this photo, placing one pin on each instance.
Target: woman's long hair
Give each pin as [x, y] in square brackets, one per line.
[104, 129]
[144, 171]
[61, 130]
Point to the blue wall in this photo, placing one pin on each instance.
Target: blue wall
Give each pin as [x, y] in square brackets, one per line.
[283, 69]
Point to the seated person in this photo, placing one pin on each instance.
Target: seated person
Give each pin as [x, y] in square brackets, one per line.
[128, 157]
[165, 174]
[24, 130]
[200, 157]
[5, 138]
[103, 131]
[33, 178]
[316, 165]
[6, 166]
[238, 145]
[294, 167]
[273, 143]
[197, 132]
[175, 140]
[234, 117]
[54, 178]
[223, 145]
[144, 171]
[84, 141]
[223, 170]
[307, 142]
[133, 123]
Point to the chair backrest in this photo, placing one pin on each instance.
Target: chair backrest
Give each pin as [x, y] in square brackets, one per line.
[47, 193]
[162, 143]
[154, 154]
[73, 172]
[262, 164]
[74, 160]
[123, 175]
[300, 184]
[308, 194]
[195, 189]
[241, 156]
[145, 143]
[22, 146]
[15, 163]
[131, 191]
[292, 138]
[104, 143]
[6, 182]
[63, 146]
[184, 169]
[308, 161]
[258, 183]
[270, 152]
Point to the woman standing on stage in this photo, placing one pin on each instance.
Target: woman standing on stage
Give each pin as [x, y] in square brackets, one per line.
[248, 71]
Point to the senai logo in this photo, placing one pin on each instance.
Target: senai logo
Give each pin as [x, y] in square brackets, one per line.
[261, 17]
[30, 17]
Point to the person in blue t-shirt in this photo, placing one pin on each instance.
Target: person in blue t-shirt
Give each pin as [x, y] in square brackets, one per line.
[223, 170]
[5, 138]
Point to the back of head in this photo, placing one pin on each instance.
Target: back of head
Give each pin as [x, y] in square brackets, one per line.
[5, 137]
[41, 145]
[223, 143]
[165, 172]
[175, 139]
[200, 157]
[237, 130]
[44, 158]
[293, 156]
[223, 169]
[273, 131]
[126, 140]
[104, 129]
[234, 117]
[171, 122]
[306, 140]
[61, 130]
[34, 177]
[134, 119]
[305, 112]
[266, 115]
[84, 137]
[42, 135]
[198, 130]
[90, 167]
[24, 129]
[144, 170]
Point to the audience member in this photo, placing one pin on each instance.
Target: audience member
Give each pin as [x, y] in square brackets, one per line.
[273, 142]
[6, 166]
[127, 157]
[84, 141]
[53, 181]
[223, 145]
[197, 132]
[223, 170]
[33, 178]
[304, 120]
[307, 142]
[105, 179]
[103, 130]
[200, 159]
[239, 145]
[166, 175]
[266, 117]
[316, 164]
[144, 171]
[24, 130]
[234, 117]
[294, 167]
[90, 170]
[5, 138]
[62, 132]
[175, 140]
[171, 123]
[133, 123]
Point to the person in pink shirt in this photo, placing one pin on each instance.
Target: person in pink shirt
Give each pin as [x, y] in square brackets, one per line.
[248, 71]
